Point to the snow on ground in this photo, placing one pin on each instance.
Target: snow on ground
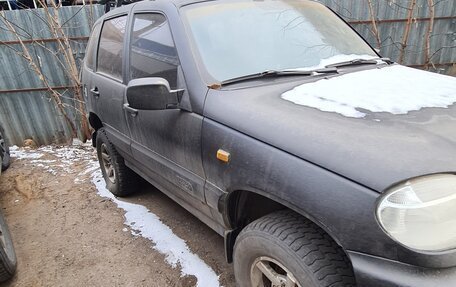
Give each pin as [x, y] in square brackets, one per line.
[24, 154]
[142, 222]
[146, 224]
[394, 89]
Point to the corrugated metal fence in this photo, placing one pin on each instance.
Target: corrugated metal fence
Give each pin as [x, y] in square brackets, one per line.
[396, 25]
[26, 109]
[400, 28]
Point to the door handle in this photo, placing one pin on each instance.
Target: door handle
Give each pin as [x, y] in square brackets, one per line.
[129, 109]
[95, 92]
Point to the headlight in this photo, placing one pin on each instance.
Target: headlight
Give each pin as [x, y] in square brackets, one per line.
[421, 213]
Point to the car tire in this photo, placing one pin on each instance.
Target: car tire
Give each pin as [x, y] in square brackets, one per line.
[6, 157]
[8, 260]
[287, 246]
[120, 180]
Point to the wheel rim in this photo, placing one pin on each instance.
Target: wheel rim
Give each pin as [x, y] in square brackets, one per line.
[107, 164]
[268, 272]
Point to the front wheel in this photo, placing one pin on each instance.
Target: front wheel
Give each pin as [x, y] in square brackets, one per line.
[285, 249]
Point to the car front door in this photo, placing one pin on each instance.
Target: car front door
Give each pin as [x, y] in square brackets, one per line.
[108, 87]
[167, 143]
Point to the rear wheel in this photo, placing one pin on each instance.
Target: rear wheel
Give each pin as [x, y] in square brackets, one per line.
[285, 249]
[120, 180]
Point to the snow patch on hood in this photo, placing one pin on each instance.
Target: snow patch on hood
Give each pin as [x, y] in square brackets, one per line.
[395, 89]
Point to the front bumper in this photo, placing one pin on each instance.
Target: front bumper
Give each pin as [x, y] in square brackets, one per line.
[371, 271]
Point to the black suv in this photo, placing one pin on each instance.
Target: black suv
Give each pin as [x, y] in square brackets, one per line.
[276, 124]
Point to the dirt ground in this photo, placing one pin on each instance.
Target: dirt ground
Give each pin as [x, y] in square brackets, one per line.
[65, 234]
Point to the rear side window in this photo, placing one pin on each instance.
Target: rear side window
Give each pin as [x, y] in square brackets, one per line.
[110, 50]
[91, 47]
[153, 53]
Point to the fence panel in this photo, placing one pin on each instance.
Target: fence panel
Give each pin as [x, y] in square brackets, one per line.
[26, 109]
[392, 20]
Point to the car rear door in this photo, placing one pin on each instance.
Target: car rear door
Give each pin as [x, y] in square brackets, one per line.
[88, 70]
[108, 87]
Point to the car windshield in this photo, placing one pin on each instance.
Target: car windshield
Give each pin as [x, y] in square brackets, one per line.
[237, 38]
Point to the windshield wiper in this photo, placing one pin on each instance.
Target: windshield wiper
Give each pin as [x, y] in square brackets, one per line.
[356, 62]
[281, 73]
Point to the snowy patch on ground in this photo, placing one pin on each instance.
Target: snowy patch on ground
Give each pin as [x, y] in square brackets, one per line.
[141, 221]
[23, 153]
[146, 224]
[394, 89]
[67, 156]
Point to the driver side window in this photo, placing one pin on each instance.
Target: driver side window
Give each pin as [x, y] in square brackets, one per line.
[152, 50]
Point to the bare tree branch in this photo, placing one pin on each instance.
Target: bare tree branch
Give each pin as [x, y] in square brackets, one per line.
[427, 59]
[374, 23]
[407, 30]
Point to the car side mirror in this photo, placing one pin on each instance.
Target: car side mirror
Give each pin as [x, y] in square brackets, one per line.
[152, 94]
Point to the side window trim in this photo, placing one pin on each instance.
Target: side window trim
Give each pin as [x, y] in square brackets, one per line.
[124, 43]
[131, 23]
[131, 34]
[94, 37]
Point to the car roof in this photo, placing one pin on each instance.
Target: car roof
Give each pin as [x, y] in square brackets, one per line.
[176, 3]
[180, 3]
[145, 3]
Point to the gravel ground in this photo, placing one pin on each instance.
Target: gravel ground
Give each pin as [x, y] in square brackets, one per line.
[66, 234]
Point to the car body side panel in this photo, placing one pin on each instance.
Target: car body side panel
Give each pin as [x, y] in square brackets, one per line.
[344, 209]
[92, 103]
[111, 111]
[175, 192]
[256, 166]
[169, 142]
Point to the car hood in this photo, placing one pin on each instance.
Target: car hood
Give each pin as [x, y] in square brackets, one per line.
[376, 127]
